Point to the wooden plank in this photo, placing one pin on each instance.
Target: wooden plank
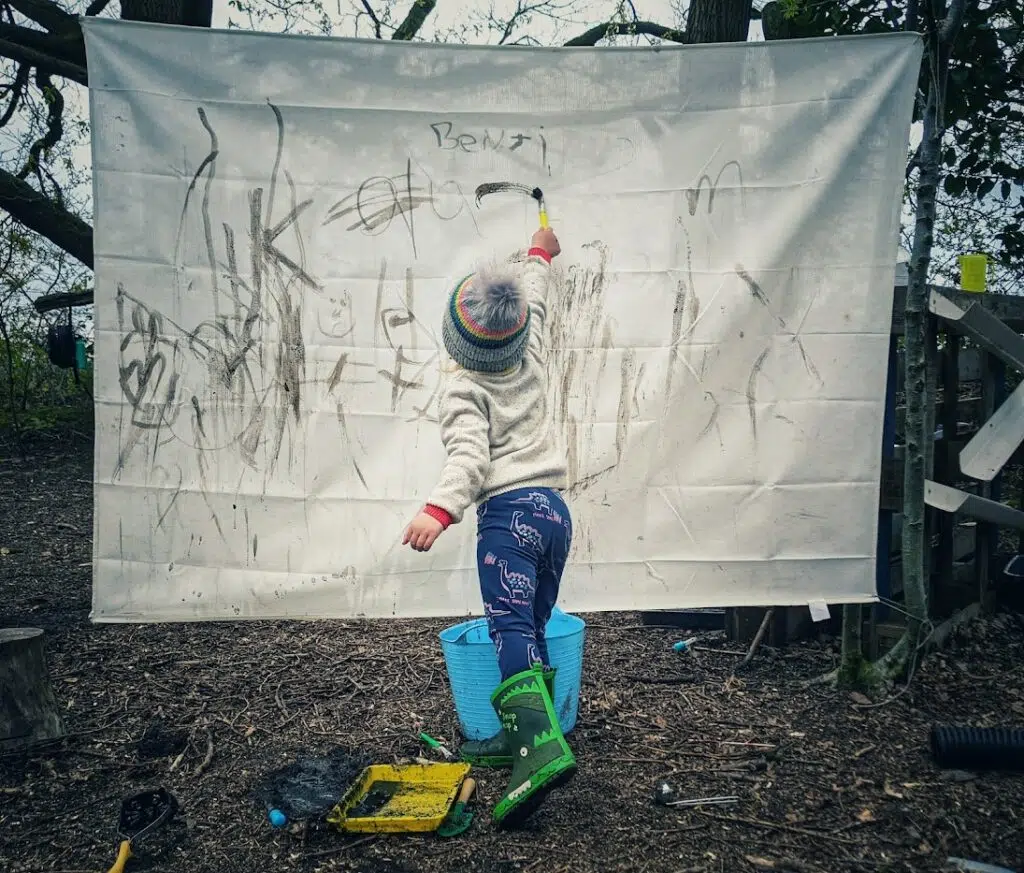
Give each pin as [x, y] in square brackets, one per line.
[993, 383]
[1008, 308]
[1020, 502]
[695, 619]
[931, 517]
[945, 471]
[972, 319]
[961, 539]
[994, 444]
[968, 364]
[50, 302]
[954, 500]
[890, 496]
[967, 411]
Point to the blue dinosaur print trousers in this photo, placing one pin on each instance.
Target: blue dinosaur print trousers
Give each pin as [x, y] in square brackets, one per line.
[522, 543]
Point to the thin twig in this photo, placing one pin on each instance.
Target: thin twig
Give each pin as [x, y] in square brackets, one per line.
[373, 18]
[202, 765]
[761, 631]
[337, 851]
[778, 826]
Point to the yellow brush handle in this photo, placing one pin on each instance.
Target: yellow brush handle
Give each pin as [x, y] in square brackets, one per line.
[124, 852]
[467, 790]
[543, 218]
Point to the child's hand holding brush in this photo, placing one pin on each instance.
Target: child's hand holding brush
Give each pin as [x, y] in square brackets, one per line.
[545, 239]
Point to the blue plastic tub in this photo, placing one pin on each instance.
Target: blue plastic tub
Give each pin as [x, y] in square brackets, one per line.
[473, 672]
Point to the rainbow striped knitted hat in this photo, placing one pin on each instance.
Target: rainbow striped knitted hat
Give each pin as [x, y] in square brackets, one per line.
[487, 322]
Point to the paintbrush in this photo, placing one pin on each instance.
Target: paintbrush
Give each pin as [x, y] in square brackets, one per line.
[496, 187]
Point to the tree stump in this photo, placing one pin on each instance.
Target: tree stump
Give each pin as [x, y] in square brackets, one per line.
[29, 712]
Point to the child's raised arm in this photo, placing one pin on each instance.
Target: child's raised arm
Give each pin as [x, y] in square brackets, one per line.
[537, 279]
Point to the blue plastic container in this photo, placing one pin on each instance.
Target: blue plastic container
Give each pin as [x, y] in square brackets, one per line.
[473, 672]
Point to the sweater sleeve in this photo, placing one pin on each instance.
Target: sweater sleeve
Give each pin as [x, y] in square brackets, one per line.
[536, 280]
[465, 432]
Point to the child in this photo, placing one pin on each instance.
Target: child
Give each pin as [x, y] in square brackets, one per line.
[497, 428]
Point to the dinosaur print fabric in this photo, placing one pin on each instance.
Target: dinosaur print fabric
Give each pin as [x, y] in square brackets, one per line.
[523, 540]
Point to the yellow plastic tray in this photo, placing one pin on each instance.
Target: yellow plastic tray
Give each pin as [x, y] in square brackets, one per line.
[399, 799]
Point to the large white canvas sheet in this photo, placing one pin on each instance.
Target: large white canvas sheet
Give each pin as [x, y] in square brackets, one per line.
[279, 221]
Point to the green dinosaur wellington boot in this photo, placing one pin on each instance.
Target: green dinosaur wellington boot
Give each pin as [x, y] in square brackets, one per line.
[541, 758]
[495, 753]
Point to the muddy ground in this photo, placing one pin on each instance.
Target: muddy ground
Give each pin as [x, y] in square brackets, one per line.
[825, 782]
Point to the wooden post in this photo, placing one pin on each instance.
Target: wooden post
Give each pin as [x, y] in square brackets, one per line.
[931, 516]
[883, 552]
[29, 712]
[987, 535]
[946, 470]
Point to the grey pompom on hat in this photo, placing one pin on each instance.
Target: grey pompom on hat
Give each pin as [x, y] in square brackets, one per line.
[487, 321]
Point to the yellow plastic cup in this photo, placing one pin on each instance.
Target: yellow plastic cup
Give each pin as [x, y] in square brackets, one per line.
[973, 272]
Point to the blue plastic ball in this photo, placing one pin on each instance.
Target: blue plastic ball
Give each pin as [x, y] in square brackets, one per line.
[277, 818]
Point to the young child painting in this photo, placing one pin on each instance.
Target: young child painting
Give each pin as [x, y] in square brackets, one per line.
[502, 456]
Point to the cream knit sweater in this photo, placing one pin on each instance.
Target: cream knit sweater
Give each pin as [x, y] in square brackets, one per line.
[498, 428]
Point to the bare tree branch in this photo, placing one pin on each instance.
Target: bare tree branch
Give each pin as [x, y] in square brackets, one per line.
[96, 7]
[45, 14]
[615, 28]
[63, 54]
[18, 51]
[414, 20]
[17, 91]
[39, 213]
[373, 18]
[54, 126]
[521, 12]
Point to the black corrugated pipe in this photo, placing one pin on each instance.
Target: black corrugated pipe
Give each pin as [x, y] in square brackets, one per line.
[962, 747]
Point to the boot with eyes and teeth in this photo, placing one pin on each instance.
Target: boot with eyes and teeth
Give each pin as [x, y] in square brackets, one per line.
[541, 758]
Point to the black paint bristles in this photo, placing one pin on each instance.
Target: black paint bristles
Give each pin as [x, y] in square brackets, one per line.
[496, 187]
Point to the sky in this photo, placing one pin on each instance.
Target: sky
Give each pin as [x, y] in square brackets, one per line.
[448, 13]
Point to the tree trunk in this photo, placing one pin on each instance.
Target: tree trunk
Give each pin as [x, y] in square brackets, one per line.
[916, 337]
[916, 378]
[851, 663]
[192, 13]
[718, 21]
[414, 20]
[29, 712]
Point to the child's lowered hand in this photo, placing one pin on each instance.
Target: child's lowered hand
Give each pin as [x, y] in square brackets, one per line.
[422, 531]
[545, 239]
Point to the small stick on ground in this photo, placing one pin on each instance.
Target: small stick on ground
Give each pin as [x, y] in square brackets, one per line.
[202, 765]
[778, 826]
[756, 643]
[177, 761]
[339, 849]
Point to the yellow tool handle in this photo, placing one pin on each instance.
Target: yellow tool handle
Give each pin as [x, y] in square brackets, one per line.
[124, 852]
[468, 787]
[543, 218]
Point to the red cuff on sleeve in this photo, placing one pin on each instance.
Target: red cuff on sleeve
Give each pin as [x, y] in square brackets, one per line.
[441, 515]
[537, 251]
